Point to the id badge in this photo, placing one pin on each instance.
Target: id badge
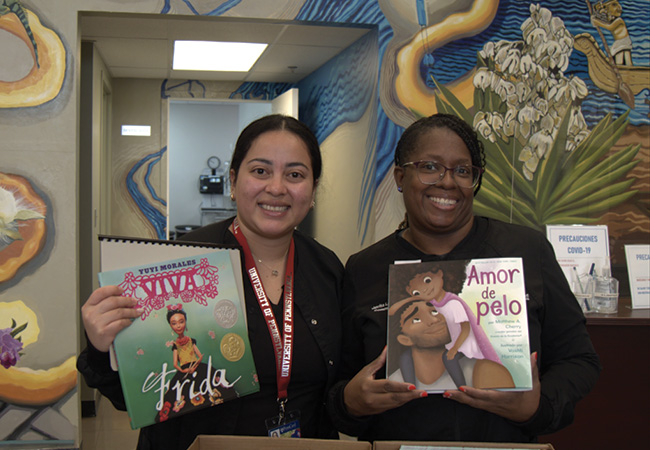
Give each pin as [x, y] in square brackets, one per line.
[287, 426]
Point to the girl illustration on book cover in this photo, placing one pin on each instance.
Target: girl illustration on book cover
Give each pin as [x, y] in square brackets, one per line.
[467, 339]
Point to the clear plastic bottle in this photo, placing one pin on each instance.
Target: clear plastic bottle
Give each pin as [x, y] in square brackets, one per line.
[606, 293]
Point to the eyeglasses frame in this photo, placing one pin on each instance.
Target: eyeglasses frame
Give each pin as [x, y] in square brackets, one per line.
[416, 164]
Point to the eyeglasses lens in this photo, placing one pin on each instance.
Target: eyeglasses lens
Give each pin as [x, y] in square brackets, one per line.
[430, 172]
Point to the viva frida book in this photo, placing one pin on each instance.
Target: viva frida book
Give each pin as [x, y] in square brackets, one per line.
[189, 349]
[459, 323]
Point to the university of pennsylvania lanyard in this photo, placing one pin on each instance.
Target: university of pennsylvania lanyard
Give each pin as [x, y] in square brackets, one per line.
[283, 345]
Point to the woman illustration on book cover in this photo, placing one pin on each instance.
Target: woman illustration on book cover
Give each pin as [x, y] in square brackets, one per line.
[467, 338]
[187, 359]
[187, 356]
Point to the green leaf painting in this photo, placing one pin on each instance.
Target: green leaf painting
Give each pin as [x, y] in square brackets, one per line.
[544, 164]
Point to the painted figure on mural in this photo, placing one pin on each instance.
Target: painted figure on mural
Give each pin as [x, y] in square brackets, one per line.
[607, 15]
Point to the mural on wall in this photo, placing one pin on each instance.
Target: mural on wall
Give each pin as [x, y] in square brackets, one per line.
[143, 193]
[526, 108]
[558, 91]
[560, 97]
[26, 228]
[34, 403]
[30, 400]
[36, 76]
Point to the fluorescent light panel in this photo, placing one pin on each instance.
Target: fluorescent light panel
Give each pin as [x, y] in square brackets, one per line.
[216, 56]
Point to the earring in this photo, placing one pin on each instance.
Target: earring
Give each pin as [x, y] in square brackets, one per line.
[232, 196]
[399, 188]
[313, 203]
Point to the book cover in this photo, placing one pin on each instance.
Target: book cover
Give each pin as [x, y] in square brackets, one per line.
[190, 348]
[455, 323]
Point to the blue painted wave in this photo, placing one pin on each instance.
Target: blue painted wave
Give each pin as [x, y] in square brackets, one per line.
[155, 217]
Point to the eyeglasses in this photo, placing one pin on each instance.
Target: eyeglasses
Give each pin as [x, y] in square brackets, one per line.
[431, 172]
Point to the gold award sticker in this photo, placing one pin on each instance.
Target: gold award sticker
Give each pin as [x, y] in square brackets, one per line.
[232, 347]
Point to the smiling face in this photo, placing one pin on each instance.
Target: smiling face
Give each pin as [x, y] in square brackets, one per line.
[178, 323]
[274, 185]
[423, 326]
[443, 208]
[427, 285]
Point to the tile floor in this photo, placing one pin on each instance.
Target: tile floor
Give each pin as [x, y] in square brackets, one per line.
[108, 430]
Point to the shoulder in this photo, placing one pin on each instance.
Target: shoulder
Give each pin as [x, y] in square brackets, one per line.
[491, 375]
[308, 248]
[384, 251]
[510, 236]
[213, 233]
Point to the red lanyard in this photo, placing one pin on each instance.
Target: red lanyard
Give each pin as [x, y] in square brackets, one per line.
[283, 346]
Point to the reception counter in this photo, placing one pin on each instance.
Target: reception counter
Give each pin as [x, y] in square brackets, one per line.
[616, 414]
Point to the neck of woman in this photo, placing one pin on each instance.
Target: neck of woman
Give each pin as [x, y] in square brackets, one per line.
[270, 255]
[269, 250]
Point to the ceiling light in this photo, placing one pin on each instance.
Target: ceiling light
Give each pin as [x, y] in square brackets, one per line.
[216, 56]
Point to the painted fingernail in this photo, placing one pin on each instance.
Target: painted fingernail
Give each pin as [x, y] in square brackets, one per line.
[411, 387]
[535, 356]
[446, 395]
[424, 394]
[462, 389]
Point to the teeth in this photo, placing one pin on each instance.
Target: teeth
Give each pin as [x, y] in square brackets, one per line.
[443, 201]
[274, 208]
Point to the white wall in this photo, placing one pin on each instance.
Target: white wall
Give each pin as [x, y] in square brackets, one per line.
[249, 112]
[198, 130]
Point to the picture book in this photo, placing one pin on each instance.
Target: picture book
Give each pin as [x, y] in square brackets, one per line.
[189, 349]
[458, 323]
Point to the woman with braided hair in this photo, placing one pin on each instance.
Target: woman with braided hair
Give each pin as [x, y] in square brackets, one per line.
[439, 162]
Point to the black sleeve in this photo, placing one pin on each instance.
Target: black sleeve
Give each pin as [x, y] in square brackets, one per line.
[96, 369]
[352, 358]
[568, 363]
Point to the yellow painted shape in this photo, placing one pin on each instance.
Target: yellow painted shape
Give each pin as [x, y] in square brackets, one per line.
[32, 241]
[410, 89]
[43, 83]
[21, 314]
[24, 386]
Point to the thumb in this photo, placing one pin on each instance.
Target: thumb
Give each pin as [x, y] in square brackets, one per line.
[377, 363]
[534, 367]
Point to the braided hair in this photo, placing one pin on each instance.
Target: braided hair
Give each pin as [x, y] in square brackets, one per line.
[408, 143]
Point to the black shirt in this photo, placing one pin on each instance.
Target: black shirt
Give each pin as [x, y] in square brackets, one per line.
[568, 364]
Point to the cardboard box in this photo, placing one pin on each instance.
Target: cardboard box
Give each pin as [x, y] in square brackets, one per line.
[395, 445]
[268, 443]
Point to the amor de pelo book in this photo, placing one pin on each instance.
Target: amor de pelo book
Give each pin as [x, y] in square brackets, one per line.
[458, 323]
[189, 349]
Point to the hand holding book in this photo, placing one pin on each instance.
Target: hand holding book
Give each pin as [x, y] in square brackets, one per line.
[106, 313]
[365, 395]
[515, 406]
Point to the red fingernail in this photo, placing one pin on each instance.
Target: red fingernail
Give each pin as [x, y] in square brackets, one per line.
[535, 356]
[446, 395]
[462, 389]
[424, 394]
[411, 387]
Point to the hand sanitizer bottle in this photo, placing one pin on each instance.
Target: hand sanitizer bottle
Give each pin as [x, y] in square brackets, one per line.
[606, 293]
